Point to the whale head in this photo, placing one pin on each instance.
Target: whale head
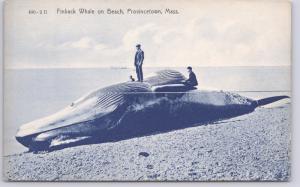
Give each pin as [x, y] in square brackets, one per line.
[102, 106]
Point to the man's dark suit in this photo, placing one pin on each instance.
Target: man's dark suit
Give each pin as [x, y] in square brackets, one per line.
[192, 80]
[138, 62]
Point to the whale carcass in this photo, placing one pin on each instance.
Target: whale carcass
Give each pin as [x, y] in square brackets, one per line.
[131, 109]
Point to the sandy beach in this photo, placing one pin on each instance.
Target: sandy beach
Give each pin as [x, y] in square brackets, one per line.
[249, 147]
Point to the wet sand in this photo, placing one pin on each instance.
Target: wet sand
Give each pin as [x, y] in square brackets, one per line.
[249, 147]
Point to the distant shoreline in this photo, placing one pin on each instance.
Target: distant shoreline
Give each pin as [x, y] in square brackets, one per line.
[149, 67]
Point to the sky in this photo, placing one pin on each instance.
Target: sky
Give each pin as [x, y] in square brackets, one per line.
[204, 33]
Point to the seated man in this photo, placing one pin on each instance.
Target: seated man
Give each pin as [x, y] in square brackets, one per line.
[192, 80]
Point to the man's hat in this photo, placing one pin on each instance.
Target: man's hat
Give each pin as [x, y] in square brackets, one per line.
[189, 67]
[138, 45]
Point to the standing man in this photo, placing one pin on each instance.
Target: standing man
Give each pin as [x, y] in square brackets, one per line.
[138, 62]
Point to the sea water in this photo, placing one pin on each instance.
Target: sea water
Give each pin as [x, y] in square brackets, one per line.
[35, 93]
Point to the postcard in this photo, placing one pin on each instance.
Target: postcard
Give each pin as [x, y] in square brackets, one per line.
[137, 90]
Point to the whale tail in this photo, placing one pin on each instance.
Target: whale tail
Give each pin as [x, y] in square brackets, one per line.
[269, 100]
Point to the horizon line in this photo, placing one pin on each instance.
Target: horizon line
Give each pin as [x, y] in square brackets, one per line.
[126, 67]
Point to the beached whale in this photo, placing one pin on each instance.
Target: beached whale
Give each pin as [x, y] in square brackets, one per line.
[134, 109]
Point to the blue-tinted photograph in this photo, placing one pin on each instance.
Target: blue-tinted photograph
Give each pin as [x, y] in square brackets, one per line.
[147, 91]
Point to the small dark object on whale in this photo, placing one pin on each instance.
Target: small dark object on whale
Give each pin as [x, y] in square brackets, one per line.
[131, 78]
